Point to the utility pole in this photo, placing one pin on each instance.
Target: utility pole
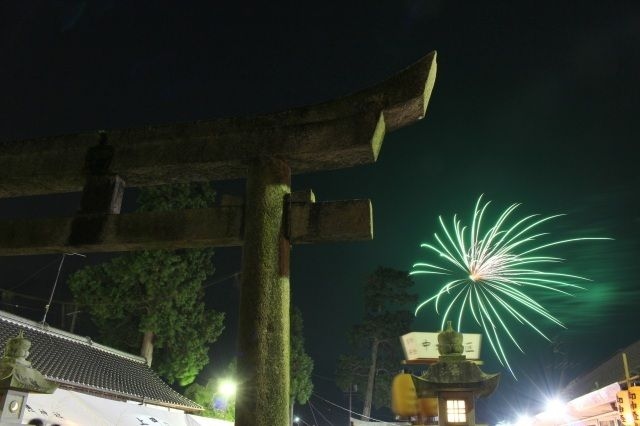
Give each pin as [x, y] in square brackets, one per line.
[352, 388]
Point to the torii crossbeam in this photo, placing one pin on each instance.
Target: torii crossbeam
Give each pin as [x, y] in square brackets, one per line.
[265, 150]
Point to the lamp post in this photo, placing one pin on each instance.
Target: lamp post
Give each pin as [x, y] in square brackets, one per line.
[352, 388]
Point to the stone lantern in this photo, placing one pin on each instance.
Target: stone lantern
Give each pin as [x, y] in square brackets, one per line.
[454, 382]
[17, 379]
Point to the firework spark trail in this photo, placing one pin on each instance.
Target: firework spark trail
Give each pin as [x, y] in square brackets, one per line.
[492, 271]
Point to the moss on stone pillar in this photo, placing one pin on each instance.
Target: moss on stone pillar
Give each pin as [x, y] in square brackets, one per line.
[263, 338]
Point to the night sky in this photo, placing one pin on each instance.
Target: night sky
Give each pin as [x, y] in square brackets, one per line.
[535, 102]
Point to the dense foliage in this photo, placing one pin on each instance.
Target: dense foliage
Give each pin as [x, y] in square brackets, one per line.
[301, 364]
[158, 293]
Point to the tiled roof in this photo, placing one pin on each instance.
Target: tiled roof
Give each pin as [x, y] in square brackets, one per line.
[77, 362]
[611, 371]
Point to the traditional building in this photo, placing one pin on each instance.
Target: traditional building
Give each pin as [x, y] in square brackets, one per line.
[590, 399]
[59, 378]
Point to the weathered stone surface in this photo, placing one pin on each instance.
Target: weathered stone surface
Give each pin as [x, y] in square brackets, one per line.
[460, 375]
[188, 152]
[216, 227]
[17, 373]
[337, 134]
[348, 220]
[303, 196]
[450, 343]
[220, 226]
[102, 194]
[263, 327]
[453, 372]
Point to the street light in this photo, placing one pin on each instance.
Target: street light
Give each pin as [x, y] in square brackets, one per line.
[555, 406]
[297, 420]
[227, 388]
[556, 410]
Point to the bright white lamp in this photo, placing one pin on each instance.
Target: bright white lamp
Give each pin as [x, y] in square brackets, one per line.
[227, 388]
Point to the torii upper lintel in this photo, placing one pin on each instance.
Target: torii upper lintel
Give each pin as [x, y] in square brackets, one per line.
[336, 134]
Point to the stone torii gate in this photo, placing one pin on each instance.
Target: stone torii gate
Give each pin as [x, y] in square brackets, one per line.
[265, 150]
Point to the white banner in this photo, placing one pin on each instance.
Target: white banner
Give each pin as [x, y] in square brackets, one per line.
[421, 345]
[68, 408]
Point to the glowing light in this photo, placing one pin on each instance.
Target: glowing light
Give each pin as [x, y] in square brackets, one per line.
[524, 420]
[227, 388]
[491, 270]
[555, 406]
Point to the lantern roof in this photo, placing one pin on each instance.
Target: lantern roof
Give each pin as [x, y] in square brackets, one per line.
[453, 372]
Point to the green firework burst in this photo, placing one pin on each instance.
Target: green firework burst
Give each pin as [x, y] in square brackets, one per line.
[491, 272]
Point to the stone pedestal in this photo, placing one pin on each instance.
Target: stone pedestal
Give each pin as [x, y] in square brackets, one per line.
[12, 406]
[455, 381]
[17, 379]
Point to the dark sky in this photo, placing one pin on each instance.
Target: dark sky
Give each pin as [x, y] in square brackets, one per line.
[535, 102]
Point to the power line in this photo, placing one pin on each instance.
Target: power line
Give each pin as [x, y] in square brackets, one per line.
[221, 279]
[382, 422]
[34, 274]
[10, 291]
[315, 421]
[320, 413]
[329, 379]
[300, 419]
[29, 297]
[13, 305]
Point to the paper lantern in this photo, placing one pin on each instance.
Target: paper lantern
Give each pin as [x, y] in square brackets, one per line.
[428, 407]
[634, 402]
[624, 408]
[404, 401]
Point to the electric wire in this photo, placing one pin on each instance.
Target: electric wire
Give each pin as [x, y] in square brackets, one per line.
[319, 413]
[10, 292]
[34, 274]
[222, 279]
[315, 421]
[328, 379]
[382, 422]
[300, 419]
[13, 305]
[30, 297]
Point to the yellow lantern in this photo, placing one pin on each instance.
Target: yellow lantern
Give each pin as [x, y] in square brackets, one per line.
[428, 406]
[624, 408]
[404, 401]
[634, 402]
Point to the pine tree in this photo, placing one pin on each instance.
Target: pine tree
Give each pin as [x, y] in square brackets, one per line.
[154, 299]
[377, 352]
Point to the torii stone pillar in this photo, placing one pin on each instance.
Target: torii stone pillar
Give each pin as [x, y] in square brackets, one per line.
[263, 334]
[265, 150]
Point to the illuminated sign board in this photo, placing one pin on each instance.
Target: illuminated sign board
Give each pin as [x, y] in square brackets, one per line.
[419, 345]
